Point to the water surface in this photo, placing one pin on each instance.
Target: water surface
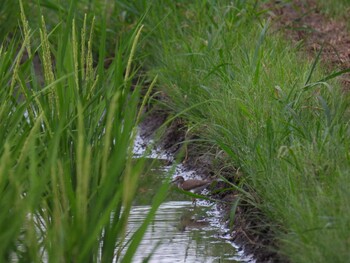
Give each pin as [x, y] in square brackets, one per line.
[181, 232]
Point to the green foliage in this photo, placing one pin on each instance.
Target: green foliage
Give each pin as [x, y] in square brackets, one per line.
[67, 176]
[68, 117]
[338, 8]
[8, 17]
[276, 116]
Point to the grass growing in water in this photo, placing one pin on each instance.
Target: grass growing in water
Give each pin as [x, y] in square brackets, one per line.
[67, 178]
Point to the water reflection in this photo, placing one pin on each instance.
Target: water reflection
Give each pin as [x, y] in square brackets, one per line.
[181, 233]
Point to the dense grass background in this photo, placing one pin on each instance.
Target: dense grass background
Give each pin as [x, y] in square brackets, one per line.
[69, 106]
[278, 118]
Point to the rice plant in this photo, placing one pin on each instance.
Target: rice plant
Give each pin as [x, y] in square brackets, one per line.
[67, 176]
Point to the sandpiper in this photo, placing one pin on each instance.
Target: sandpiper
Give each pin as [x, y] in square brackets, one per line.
[191, 185]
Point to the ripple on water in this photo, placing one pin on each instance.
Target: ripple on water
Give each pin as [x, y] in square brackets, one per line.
[182, 233]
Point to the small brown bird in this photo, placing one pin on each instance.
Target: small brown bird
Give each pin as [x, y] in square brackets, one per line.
[192, 185]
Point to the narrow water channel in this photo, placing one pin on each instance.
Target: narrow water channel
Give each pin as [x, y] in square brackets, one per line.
[180, 232]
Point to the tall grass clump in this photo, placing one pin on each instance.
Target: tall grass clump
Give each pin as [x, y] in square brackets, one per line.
[67, 176]
[277, 117]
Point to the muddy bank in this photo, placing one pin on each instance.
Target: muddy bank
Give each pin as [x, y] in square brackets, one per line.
[302, 23]
[209, 162]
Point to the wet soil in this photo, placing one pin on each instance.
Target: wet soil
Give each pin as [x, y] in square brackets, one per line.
[208, 161]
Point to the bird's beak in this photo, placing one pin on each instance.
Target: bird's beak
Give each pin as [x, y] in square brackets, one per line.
[173, 181]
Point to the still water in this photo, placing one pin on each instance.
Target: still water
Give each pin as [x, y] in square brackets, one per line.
[180, 232]
[183, 233]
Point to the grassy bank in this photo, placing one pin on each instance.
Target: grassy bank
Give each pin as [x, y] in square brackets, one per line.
[277, 117]
[338, 9]
[67, 178]
[69, 106]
